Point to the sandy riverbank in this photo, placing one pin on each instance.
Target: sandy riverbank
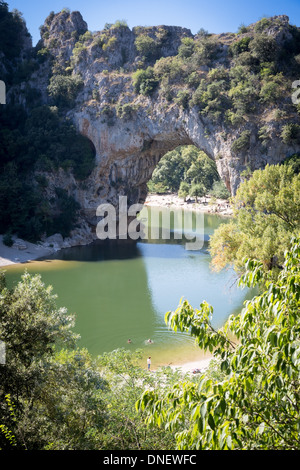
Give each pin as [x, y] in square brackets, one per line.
[21, 252]
[204, 204]
[190, 366]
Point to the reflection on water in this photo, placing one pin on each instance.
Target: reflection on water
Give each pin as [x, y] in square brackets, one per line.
[121, 290]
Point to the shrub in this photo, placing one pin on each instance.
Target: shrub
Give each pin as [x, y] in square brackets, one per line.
[187, 48]
[219, 190]
[64, 89]
[263, 135]
[197, 190]
[241, 143]
[126, 111]
[184, 190]
[294, 162]
[144, 81]
[261, 25]
[119, 24]
[290, 133]
[7, 239]
[270, 92]
[239, 46]
[182, 98]
[242, 29]
[110, 44]
[264, 48]
[147, 47]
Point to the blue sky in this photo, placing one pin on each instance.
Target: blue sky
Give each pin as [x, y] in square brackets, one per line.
[216, 16]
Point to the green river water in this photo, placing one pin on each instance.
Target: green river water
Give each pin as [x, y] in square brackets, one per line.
[121, 290]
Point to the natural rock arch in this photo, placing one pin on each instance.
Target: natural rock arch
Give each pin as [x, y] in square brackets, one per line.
[129, 144]
[128, 151]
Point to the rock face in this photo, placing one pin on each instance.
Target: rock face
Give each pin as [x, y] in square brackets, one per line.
[131, 132]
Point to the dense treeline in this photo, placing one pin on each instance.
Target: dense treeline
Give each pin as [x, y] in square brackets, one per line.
[187, 171]
[266, 212]
[35, 144]
[36, 141]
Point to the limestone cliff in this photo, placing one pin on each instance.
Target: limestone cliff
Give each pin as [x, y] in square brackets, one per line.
[131, 128]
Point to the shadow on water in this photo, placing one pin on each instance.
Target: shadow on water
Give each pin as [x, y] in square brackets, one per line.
[100, 250]
[122, 289]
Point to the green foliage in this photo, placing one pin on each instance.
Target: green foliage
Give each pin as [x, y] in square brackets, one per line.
[147, 47]
[211, 98]
[197, 190]
[240, 46]
[7, 239]
[32, 327]
[273, 89]
[294, 162]
[267, 215]
[64, 89]
[255, 404]
[242, 29]
[244, 90]
[187, 48]
[262, 24]
[119, 24]
[264, 135]
[126, 111]
[182, 98]
[12, 29]
[219, 190]
[241, 143]
[264, 48]
[184, 164]
[144, 81]
[184, 189]
[290, 133]
[38, 141]
[125, 429]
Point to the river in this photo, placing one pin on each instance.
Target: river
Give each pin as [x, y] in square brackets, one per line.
[120, 290]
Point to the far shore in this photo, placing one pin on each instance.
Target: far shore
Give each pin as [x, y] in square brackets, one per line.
[22, 251]
[204, 204]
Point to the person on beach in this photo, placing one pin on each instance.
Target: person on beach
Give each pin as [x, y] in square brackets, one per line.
[149, 362]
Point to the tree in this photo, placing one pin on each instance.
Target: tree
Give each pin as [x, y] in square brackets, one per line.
[264, 48]
[64, 89]
[256, 404]
[197, 190]
[144, 81]
[12, 29]
[185, 164]
[184, 190]
[219, 190]
[147, 47]
[125, 429]
[55, 392]
[266, 216]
